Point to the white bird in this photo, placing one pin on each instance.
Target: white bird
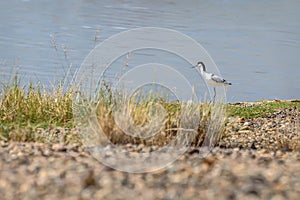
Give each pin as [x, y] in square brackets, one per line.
[211, 78]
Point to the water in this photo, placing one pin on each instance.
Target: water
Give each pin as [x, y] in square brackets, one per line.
[255, 44]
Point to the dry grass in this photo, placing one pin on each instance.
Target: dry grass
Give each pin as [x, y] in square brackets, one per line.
[149, 121]
[156, 122]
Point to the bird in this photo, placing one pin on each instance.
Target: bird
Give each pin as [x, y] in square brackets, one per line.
[210, 78]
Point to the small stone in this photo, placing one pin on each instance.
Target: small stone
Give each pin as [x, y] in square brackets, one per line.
[59, 147]
[246, 124]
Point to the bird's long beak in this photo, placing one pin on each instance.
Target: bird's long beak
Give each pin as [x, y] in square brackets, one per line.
[194, 66]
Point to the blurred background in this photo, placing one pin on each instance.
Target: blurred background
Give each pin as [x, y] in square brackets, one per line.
[255, 44]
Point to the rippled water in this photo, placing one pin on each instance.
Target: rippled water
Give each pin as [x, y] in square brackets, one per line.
[255, 44]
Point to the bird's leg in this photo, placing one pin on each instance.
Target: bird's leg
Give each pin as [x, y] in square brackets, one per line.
[214, 95]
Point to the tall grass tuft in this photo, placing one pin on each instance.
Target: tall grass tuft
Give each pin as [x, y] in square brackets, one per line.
[149, 120]
[152, 120]
[33, 106]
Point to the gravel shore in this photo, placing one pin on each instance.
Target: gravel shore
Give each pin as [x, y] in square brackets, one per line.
[255, 159]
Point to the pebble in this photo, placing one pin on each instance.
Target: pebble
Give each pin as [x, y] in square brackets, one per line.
[278, 131]
[240, 172]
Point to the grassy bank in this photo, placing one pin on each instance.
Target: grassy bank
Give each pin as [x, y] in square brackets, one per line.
[26, 111]
[260, 108]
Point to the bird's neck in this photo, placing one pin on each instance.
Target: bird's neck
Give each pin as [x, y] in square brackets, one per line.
[202, 70]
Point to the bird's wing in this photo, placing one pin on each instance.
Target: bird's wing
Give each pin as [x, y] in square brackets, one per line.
[217, 79]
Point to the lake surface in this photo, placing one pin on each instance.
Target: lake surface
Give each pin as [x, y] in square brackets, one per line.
[255, 44]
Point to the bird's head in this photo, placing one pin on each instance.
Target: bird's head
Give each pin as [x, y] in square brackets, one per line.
[200, 65]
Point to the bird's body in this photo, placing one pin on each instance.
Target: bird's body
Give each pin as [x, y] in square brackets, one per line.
[214, 80]
[210, 78]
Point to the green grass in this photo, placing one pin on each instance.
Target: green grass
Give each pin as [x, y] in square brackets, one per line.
[259, 109]
[33, 107]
